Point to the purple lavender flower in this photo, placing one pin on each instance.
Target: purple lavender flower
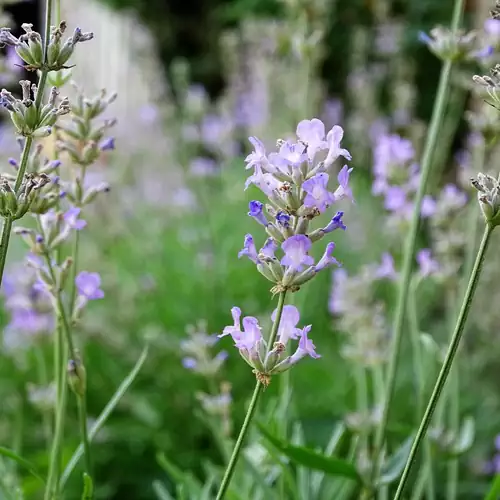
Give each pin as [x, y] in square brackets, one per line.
[424, 38]
[72, 220]
[296, 256]
[88, 285]
[292, 154]
[492, 27]
[343, 191]
[256, 211]
[317, 193]
[333, 139]
[269, 248]
[283, 219]
[258, 157]
[395, 199]
[327, 259]
[428, 208]
[312, 132]
[251, 334]
[266, 182]
[306, 347]
[107, 144]
[287, 328]
[189, 363]
[428, 266]
[249, 249]
[335, 223]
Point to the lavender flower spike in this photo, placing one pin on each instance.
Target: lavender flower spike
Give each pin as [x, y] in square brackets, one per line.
[335, 223]
[327, 259]
[249, 249]
[296, 256]
[256, 211]
[88, 285]
[317, 193]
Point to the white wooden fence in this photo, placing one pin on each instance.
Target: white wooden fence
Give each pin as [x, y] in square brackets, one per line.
[121, 57]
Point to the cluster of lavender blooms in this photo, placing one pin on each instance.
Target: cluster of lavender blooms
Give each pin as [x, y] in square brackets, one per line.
[360, 313]
[82, 139]
[197, 350]
[396, 178]
[295, 181]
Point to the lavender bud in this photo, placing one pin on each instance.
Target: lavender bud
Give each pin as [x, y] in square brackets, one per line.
[77, 377]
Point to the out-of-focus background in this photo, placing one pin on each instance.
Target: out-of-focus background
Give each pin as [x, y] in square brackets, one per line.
[195, 79]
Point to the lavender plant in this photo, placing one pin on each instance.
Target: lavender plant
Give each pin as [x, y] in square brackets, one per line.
[295, 180]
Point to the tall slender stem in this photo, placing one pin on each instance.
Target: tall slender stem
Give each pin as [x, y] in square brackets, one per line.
[448, 362]
[251, 408]
[410, 243]
[426, 478]
[82, 415]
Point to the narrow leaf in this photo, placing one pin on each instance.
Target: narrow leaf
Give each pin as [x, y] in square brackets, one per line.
[394, 466]
[312, 459]
[103, 417]
[21, 461]
[180, 477]
[494, 493]
[88, 487]
[161, 492]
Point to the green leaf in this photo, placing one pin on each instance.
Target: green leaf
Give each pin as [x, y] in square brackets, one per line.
[161, 492]
[182, 479]
[88, 487]
[101, 420]
[312, 459]
[465, 438]
[21, 461]
[394, 466]
[494, 492]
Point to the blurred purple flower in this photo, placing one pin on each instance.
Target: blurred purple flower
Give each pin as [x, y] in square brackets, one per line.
[88, 285]
[72, 220]
[203, 167]
[428, 266]
[107, 144]
[386, 269]
[428, 208]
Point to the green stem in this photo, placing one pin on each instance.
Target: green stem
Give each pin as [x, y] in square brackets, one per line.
[51, 489]
[251, 409]
[450, 355]
[426, 477]
[44, 380]
[82, 415]
[410, 243]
